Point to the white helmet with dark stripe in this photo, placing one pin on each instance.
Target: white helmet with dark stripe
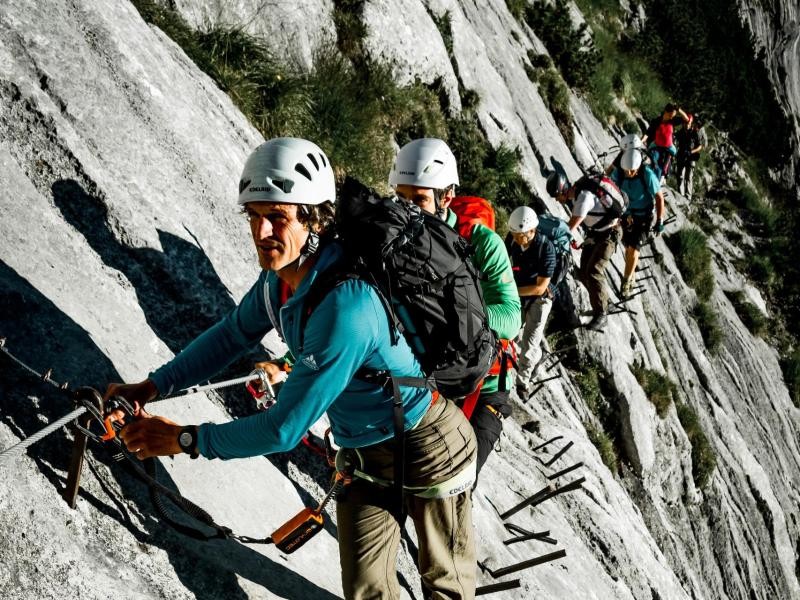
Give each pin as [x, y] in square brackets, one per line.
[288, 171]
[425, 163]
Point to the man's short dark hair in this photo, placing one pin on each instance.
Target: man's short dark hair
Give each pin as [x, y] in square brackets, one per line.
[669, 107]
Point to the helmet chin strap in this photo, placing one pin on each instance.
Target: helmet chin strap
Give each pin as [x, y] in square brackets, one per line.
[309, 249]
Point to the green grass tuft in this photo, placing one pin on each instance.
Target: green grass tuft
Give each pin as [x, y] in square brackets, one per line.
[704, 458]
[708, 323]
[658, 388]
[572, 49]
[749, 313]
[604, 445]
[790, 366]
[690, 247]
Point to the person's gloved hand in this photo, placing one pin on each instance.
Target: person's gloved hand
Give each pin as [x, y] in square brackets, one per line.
[659, 228]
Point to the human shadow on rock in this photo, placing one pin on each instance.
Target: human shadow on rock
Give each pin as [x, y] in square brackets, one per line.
[44, 337]
[178, 289]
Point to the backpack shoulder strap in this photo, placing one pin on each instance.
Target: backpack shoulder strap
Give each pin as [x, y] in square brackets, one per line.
[645, 185]
[322, 286]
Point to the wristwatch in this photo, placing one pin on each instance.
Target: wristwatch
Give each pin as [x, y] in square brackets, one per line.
[187, 440]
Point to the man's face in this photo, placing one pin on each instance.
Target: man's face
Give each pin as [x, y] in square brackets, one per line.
[423, 197]
[668, 116]
[523, 238]
[277, 233]
[630, 173]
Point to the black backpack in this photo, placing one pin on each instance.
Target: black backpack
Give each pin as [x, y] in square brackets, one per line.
[427, 282]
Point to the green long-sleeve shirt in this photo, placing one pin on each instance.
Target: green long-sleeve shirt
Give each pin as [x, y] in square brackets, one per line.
[499, 289]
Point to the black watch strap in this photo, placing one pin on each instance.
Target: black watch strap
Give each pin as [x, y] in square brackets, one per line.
[187, 440]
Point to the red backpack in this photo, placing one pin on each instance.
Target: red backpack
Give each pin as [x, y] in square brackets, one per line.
[471, 211]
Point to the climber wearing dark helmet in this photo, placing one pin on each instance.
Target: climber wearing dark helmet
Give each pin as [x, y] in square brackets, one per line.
[287, 191]
[601, 228]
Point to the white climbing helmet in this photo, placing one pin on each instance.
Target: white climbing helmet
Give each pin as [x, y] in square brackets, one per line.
[522, 220]
[289, 171]
[631, 159]
[629, 141]
[425, 163]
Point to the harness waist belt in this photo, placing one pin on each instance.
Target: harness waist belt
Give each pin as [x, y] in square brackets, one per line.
[457, 484]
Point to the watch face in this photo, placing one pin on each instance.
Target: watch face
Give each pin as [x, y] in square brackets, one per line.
[186, 439]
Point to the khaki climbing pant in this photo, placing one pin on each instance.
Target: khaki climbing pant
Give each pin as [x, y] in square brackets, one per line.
[597, 251]
[438, 448]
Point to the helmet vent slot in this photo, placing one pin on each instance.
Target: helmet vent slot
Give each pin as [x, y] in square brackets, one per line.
[313, 160]
[301, 168]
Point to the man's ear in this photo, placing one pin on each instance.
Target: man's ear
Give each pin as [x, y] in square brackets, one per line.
[447, 198]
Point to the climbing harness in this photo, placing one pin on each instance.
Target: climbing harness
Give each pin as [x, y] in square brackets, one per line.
[91, 409]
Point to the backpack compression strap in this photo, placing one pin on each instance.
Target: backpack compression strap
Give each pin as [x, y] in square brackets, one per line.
[506, 355]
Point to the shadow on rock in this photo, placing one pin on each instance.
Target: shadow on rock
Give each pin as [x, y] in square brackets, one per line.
[181, 296]
[44, 337]
[178, 289]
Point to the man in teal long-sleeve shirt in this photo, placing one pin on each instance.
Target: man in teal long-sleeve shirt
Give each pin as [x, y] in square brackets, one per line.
[287, 190]
[425, 173]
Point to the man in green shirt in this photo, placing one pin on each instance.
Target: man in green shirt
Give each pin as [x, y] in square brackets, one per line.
[425, 173]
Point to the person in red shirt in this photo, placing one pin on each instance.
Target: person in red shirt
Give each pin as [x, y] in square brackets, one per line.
[659, 133]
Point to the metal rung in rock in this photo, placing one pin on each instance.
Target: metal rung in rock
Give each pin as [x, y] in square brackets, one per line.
[571, 486]
[565, 471]
[497, 587]
[516, 529]
[547, 443]
[543, 536]
[539, 560]
[545, 491]
[545, 380]
[557, 455]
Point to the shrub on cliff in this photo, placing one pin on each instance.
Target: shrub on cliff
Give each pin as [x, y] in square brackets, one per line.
[704, 458]
[658, 388]
[690, 247]
[708, 323]
[750, 315]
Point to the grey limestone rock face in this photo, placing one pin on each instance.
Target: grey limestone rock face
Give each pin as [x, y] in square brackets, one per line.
[293, 30]
[120, 241]
[776, 27]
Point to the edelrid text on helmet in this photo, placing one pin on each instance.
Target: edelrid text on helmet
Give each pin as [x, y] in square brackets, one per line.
[425, 163]
[522, 220]
[289, 171]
